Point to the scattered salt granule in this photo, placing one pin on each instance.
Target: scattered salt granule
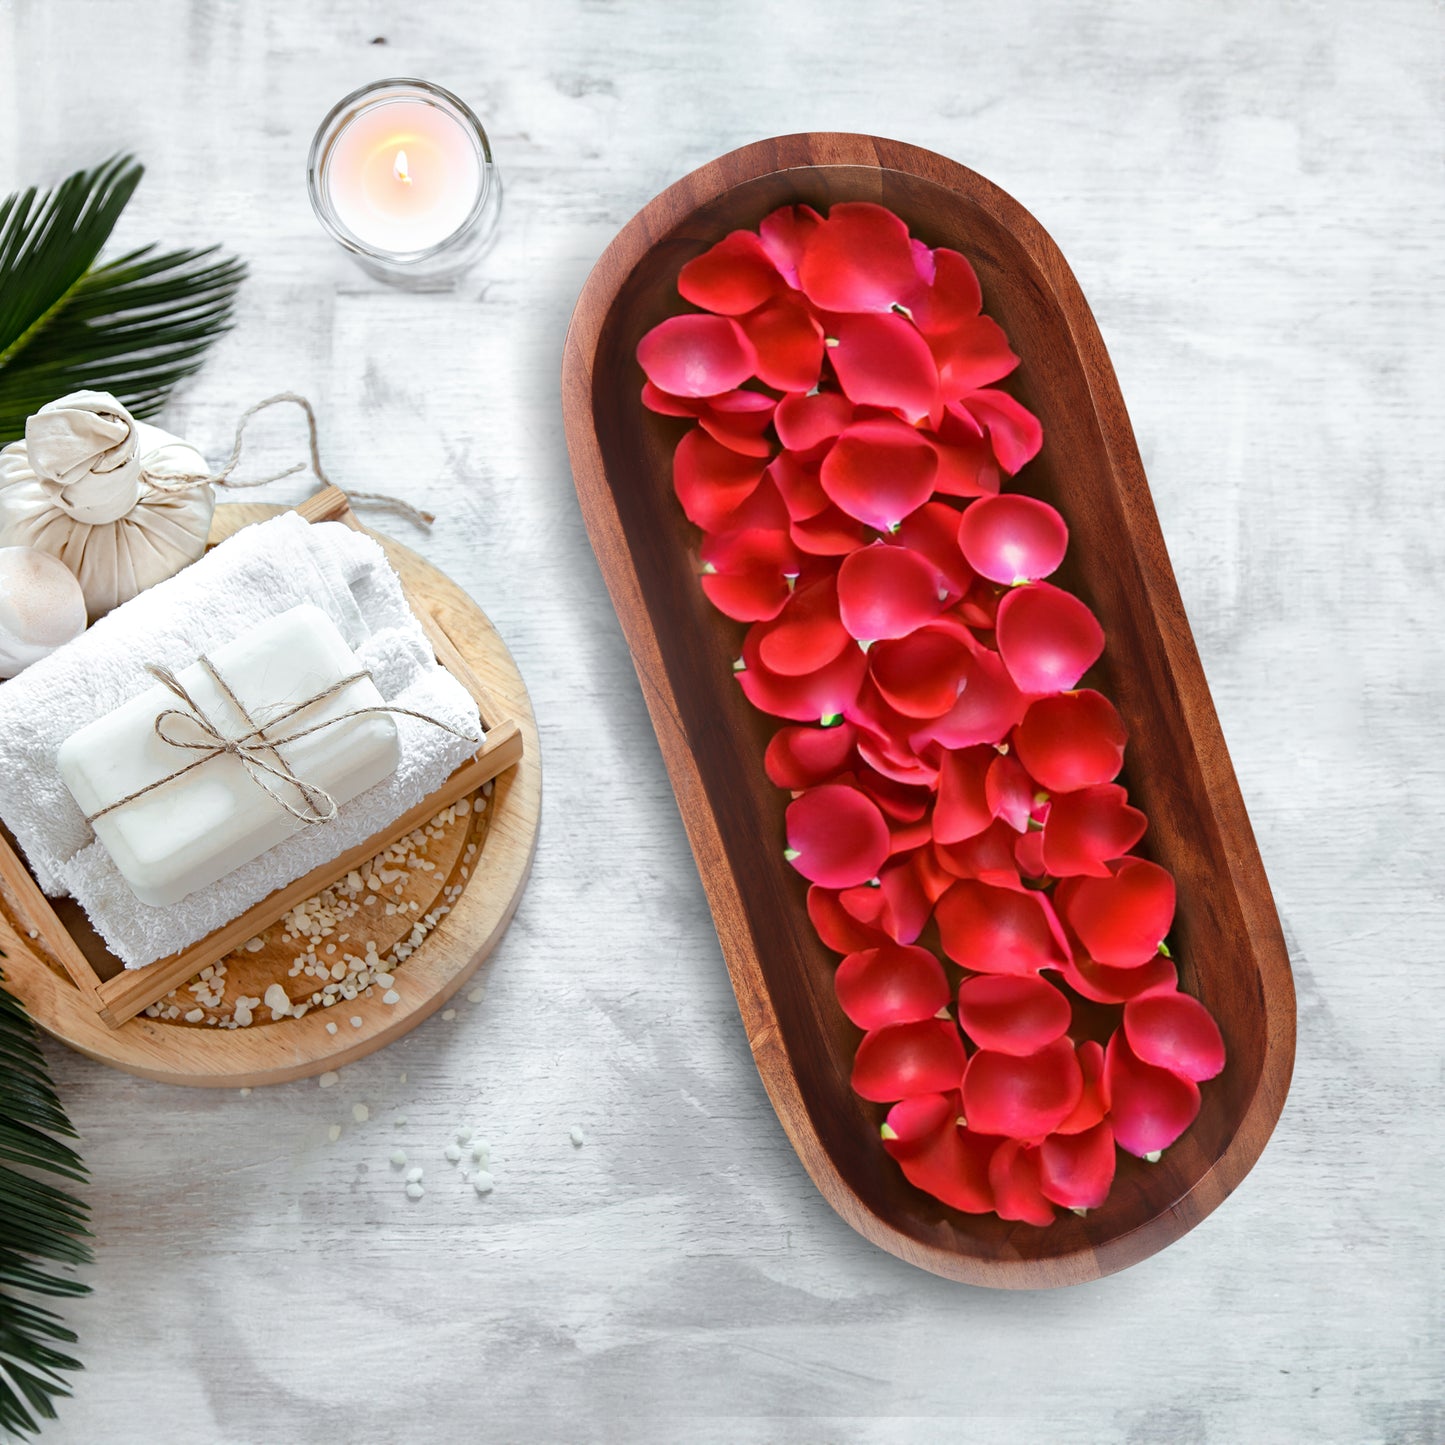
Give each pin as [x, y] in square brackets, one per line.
[276, 1000]
[449, 1013]
[327, 1079]
[254, 945]
[576, 1136]
[414, 1176]
[245, 1093]
[195, 1015]
[334, 1133]
[476, 995]
[391, 996]
[360, 1113]
[483, 1183]
[452, 1152]
[398, 1158]
[414, 1190]
[464, 1136]
[330, 1027]
[403, 1076]
[399, 1120]
[356, 1021]
[481, 1152]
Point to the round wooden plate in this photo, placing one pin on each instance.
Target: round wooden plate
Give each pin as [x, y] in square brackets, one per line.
[480, 854]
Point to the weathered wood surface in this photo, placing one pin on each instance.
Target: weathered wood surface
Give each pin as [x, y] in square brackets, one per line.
[1251, 199]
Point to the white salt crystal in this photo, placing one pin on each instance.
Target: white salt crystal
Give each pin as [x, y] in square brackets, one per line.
[195, 1015]
[413, 1176]
[356, 1021]
[399, 1120]
[277, 1001]
[414, 1191]
[245, 1093]
[391, 996]
[483, 1183]
[330, 1027]
[452, 1153]
[334, 1133]
[481, 1152]
[464, 1136]
[327, 1079]
[575, 1134]
[476, 995]
[360, 1113]
[449, 1013]
[398, 1158]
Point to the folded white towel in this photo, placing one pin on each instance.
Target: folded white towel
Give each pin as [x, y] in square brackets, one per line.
[260, 572]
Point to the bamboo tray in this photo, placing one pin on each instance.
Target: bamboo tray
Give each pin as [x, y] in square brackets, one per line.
[1230, 943]
[480, 852]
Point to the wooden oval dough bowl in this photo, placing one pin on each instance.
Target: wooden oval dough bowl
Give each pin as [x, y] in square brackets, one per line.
[1228, 937]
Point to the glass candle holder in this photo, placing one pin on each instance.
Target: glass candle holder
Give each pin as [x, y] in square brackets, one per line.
[401, 174]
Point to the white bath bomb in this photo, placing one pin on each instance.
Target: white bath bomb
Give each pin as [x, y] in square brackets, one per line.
[41, 607]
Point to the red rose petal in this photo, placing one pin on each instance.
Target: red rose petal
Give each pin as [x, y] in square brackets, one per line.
[749, 580]
[919, 675]
[859, 259]
[804, 420]
[732, 277]
[1009, 791]
[1176, 1032]
[836, 836]
[740, 420]
[970, 354]
[803, 757]
[832, 533]
[953, 298]
[1120, 920]
[1102, 984]
[894, 984]
[1014, 432]
[654, 398]
[1047, 638]
[1022, 1097]
[838, 929]
[902, 1060]
[897, 800]
[906, 904]
[1070, 741]
[697, 355]
[711, 480]
[924, 264]
[788, 342]
[933, 531]
[798, 485]
[1028, 852]
[879, 471]
[963, 809]
[1013, 1174]
[996, 930]
[807, 634]
[1088, 828]
[1012, 538]
[987, 708]
[967, 466]
[1011, 1015]
[785, 234]
[886, 592]
[1149, 1108]
[1094, 1101]
[937, 1156]
[1076, 1170]
[987, 856]
[883, 361]
[826, 693]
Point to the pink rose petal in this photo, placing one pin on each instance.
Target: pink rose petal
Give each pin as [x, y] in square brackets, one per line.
[836, 836]
[732, 277]
[902, 1060]
[1076, 1170]
[785, 235]
[749, 580]
[711, 480]
[1072, 740]
[1013, 1174]
[886, 592]
[1088, 828]
[859, 259]
[697, 355]
[892, 984]
[996, 930]
[788, 342]
[883, 361]
[1022, 1097]
[804, 419]
[879, 471]
[803, 757]
[1149, 1108]
[1012, 538]
[1120, 920]
[1176, 1032]
[1011, 1015]
[1047, 638]
[1014, 432]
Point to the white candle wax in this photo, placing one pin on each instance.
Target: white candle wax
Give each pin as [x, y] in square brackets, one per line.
[403, 176]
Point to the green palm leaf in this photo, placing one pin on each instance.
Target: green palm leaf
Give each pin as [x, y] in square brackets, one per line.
[41, 1225]
[134, 326]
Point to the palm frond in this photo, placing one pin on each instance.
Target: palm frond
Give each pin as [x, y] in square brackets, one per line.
[41, 1225]
[134, 326]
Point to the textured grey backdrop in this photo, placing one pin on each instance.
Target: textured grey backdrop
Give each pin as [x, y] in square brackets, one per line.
[1251, 196]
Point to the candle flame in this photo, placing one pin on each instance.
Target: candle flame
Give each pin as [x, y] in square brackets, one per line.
[399, 169]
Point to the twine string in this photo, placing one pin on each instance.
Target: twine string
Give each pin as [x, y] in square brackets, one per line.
[224, 478]
[257, 752]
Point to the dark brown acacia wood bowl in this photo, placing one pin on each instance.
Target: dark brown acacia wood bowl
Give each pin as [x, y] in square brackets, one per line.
[1227, 936]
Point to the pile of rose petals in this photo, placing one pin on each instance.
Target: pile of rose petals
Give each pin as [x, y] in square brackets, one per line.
[948, 773]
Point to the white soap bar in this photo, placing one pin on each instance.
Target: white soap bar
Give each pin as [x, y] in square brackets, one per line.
[194, 829]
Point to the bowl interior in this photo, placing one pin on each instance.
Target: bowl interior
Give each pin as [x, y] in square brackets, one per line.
[1165, 777]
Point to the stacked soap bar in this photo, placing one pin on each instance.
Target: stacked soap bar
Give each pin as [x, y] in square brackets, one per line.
[231, 606]
[176, 819]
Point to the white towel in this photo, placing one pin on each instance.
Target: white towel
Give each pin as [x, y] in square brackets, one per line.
[263, 570]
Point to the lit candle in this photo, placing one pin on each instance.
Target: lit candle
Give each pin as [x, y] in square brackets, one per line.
[402, 175]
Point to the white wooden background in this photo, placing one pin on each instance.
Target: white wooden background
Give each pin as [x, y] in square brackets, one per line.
[1251, 195]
